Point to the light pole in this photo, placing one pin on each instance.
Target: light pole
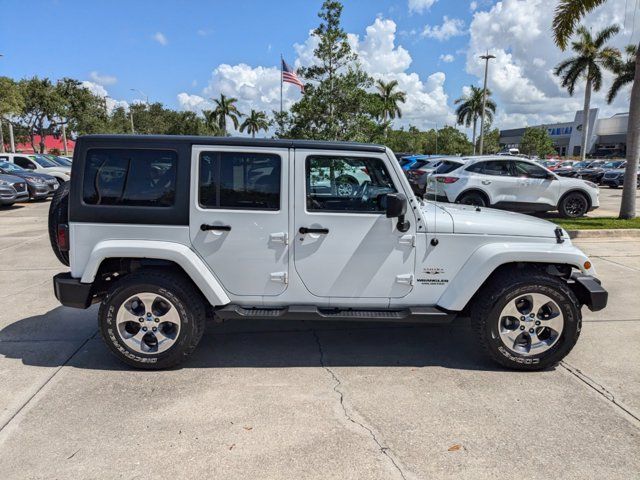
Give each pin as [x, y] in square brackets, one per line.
[486, 59]
[143, 94]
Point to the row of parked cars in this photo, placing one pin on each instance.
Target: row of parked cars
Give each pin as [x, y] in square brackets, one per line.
[26, 177]
[500, 181]
[609, 173]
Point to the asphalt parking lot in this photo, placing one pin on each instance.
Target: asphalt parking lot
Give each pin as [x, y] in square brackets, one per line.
[309, 400]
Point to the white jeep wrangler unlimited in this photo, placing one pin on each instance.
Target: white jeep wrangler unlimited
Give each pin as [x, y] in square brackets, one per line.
[166, 232]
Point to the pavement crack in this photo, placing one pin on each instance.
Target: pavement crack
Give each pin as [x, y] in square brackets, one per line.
[598, 387]
[386, 451]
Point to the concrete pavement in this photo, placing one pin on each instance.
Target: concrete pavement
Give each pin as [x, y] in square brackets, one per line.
[308, 400]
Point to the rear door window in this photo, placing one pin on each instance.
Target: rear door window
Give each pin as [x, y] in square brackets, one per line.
[130, 177]
[240, 180]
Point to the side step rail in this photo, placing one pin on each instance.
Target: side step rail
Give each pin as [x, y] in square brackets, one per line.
[426, 315]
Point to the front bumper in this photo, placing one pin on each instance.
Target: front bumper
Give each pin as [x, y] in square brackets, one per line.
[70, 292]
[589, 291]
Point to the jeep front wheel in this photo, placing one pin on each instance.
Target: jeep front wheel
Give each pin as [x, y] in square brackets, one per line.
[527, 320]
[152, 320]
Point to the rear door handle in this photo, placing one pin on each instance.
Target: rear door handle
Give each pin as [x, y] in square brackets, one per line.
[224, 228]
[305, 230]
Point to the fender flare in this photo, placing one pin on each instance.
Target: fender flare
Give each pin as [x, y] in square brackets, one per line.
[487, 258]
[181, 254]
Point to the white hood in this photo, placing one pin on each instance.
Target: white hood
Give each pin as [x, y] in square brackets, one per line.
[487, 221]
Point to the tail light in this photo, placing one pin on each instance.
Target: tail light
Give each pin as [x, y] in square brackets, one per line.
[63, 237]
[447, 180]
[365, 170]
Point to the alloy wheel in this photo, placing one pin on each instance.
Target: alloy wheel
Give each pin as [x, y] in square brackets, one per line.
[530, 324]
[148, 323]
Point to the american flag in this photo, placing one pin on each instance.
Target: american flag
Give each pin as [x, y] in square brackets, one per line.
[289, 75]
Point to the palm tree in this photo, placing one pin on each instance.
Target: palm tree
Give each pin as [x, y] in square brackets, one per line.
[624, 71]
[592, 55]
[255, 121]
[226, 107]
[567, 15]
[390, 98]
[470, 109]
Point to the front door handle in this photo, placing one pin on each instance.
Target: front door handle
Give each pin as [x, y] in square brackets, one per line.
[223, 228]
[305, 230]
[486, 182]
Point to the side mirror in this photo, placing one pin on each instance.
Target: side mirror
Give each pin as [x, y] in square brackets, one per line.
[397, 208]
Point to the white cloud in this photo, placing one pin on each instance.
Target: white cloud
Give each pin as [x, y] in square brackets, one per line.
[259, 87]
[100, 91]
[419, 6]
[451, 27]
[521, 77]
[204, 32]
[160, 38]
[473, 6]
[102, 79]
[447, 58]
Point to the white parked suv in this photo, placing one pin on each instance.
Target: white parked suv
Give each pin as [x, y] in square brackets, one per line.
[40, 164]
[165, 232]
[511, 184]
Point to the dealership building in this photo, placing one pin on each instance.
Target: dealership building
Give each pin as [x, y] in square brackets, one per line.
[607, 136]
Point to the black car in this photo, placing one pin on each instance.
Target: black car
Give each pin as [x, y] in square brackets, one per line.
[596, 170]
[570, 171]
[615, 178]
[40, 185]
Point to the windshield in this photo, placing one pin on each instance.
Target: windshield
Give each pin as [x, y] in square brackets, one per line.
[43, 161]
[447, 166]
[65, 162]
[11, 167]
[580, 165]
[612, 165]
[404, 161]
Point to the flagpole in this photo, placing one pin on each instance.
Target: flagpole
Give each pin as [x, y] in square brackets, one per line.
[281, 60]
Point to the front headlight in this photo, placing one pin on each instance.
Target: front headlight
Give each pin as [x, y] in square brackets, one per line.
[591, 184]
[37, 181]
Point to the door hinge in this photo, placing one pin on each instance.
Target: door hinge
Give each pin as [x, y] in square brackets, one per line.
[280, 277]
[405, 279]
[279, 237]
[408, 240]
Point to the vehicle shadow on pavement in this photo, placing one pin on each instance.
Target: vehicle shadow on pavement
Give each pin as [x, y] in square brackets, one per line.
[65, 336]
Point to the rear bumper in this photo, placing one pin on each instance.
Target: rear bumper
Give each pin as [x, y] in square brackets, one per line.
[589, 291]
[70, 292]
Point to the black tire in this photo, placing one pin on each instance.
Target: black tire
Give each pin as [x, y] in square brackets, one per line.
[507, 286]
[59, 214]
[473, 198]
[573, 205]
[347, 181]
[175, 288]
[613, 186]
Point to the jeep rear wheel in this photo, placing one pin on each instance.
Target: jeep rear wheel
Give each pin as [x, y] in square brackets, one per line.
[526, 320]
[152, 320]
[573, 205]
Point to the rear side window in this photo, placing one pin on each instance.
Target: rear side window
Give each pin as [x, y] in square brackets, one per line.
[130, 177]
[499, 168]
[447, 167]
[238, 180]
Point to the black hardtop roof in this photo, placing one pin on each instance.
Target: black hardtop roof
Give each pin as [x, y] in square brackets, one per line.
[231, 141]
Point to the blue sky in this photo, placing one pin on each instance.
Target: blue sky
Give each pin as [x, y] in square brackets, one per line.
[166, 48]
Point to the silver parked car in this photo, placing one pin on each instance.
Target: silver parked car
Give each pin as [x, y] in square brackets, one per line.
[12, 189]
